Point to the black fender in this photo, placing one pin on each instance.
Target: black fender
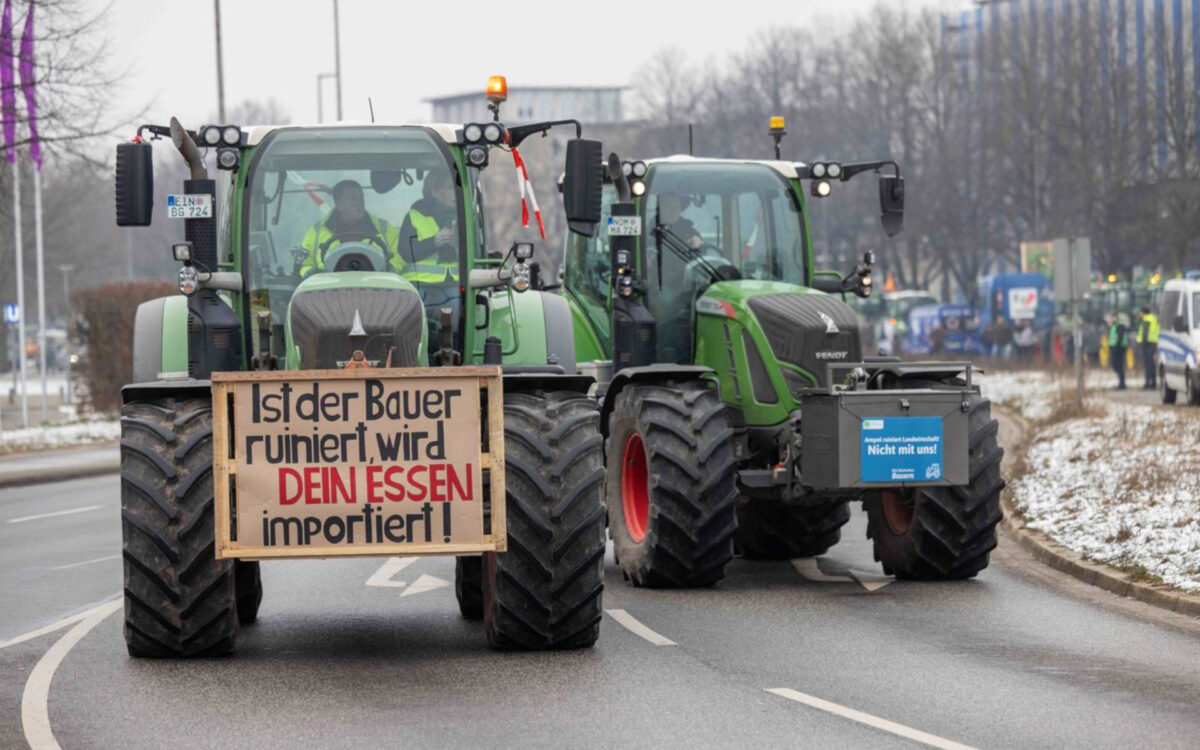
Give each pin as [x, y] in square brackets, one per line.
[648, 374]
[544, 378]
[170, 387]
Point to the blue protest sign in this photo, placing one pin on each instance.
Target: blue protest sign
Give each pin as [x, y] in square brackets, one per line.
[901, 449]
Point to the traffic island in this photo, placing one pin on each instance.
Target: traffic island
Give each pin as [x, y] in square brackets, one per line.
[1107, 493]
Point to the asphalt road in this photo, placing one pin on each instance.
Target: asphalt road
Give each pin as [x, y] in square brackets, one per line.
[1016, 658]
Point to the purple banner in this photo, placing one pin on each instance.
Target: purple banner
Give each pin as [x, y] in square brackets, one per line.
[8, 92]
[29, 87]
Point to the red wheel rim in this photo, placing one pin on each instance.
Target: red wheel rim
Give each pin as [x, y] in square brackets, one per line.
[635, 488]
[896, 512]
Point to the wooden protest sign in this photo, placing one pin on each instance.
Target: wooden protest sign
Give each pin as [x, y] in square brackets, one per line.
[324, 463]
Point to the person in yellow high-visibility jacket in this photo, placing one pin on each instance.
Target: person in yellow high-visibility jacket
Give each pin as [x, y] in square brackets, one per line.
[1147, 339]
[349, 221]
[429, 234]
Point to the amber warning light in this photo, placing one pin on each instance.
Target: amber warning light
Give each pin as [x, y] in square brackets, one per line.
[497, 89]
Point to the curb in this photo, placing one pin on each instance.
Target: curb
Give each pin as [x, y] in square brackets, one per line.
[1065, 560]
[43, 476]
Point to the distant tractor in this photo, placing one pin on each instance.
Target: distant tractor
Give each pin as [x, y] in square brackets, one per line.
[738, 408]
[352, 368]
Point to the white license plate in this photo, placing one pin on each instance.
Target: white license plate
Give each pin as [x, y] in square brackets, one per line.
[624, 226]
[189, 206]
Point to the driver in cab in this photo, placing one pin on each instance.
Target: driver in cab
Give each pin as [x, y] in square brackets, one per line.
[348, 222]
[670, 217]
[429, 234]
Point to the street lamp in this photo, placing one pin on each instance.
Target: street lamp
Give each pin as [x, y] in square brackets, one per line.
[320, 106]
[66, 269]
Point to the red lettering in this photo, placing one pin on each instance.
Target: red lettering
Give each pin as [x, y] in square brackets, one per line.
[455, 486]
[437, 482]
[338, 487]
[396, 489]
[285, 498]
[415, 485]
[312, 482]
[373, 484]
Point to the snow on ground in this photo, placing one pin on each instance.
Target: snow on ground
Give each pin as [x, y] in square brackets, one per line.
[1036, 394]
[1122, 489]
[59, 436]
[1118, 483]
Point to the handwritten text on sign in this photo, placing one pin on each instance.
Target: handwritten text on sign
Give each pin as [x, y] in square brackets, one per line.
[336, 463]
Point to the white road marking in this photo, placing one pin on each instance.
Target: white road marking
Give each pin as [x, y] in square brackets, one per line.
[631, 624]
[84, 509]
[423, 584]
[807, 567]
[56, 625]
[872, 721]
[390, 567]
[35, 701]
[86, 562]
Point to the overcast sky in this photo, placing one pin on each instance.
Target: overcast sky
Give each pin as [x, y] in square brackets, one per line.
[400, 52]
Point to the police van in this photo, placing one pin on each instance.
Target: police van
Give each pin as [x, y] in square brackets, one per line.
[1179, 342]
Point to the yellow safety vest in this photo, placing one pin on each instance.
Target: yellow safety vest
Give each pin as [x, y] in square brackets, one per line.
[1148, 330]
[428, 270]
[320, 239]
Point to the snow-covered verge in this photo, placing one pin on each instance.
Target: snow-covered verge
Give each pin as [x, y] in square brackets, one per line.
[59, 436]
[1037, 394]
[1121, 489]
[1118, 483]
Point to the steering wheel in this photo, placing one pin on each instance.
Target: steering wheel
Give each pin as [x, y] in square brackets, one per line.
[356, 256]
[713, 256]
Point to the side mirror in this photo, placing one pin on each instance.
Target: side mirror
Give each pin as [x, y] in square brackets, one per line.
[583, 185]
[135, 184]
[891, 203]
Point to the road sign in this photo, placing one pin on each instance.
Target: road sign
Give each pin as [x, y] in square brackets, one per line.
[1072, 268]
[12, 313]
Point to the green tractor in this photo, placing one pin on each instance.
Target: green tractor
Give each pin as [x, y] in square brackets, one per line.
[352, 251]
[738, 408]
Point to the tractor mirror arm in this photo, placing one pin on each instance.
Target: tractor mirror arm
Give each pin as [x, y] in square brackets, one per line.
[850, 170]
[518, 133]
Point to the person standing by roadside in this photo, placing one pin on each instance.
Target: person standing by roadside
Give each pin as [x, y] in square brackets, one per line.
[1147, 339]
[1118, 343]
[1002, 337]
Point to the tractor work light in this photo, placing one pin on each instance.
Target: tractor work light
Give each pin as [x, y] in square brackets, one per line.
[182, 252]
[188, 280]
[227, 158]
[492, 133]
[638, 188]
[834, 170]
[521, 277]
[627, 168]
[821, 188]
[477, 156]
[497, 89]
[231, 135]
[817, 170]
[639, 169]
[522, 251]
[472, 133]
[211, 135]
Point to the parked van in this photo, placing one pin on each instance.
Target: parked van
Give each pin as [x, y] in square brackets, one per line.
[937, 329]
[1179, 341]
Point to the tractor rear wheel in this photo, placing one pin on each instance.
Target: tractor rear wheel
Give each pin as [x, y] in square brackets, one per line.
[671, 485]
[544, 592]
[771, 531]
[943, 533]
[468, 586]
[180, 600]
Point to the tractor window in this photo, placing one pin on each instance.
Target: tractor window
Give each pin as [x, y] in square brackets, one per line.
[349, 199]
[714, 221]
[589, 271]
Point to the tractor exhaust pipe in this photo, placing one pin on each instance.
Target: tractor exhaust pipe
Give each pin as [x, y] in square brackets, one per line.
[187, 147]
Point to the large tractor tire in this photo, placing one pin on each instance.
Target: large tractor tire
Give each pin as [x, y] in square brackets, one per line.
[771, 531]
[943, 533]
[468, 586]
[671, 485]
[180, 600]
[544, 592]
